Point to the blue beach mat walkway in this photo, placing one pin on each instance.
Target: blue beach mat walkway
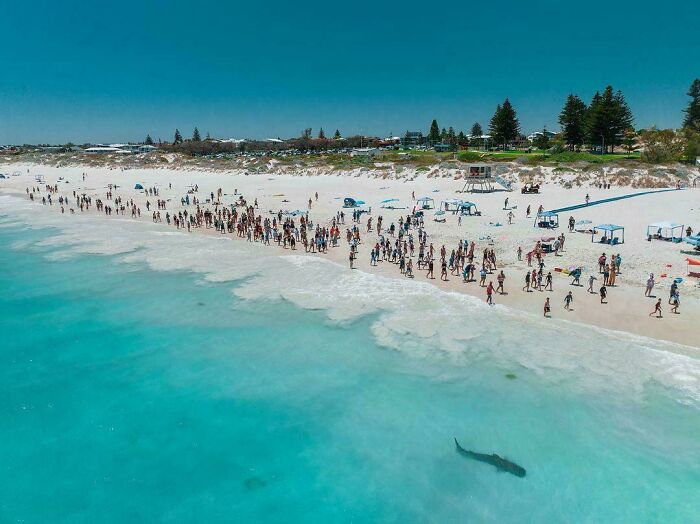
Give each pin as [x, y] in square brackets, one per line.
[606, 200]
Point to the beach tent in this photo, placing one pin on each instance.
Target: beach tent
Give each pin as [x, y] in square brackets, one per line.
[547, 219]
[425, 203]
[609, 236]
[693, 267]
[468, 208]
[138, 186]
[665, 231]
[451, 204]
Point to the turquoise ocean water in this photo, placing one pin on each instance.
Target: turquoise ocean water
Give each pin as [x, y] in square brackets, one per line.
[132, 394]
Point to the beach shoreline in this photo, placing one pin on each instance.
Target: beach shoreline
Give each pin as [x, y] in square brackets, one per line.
[626, 311]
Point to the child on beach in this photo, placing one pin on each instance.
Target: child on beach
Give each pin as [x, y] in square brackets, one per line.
[657, 309]
[547, 307]
[568, 299]
[603, 294]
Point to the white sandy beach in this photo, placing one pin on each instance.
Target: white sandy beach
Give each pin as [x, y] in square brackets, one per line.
[627, 308]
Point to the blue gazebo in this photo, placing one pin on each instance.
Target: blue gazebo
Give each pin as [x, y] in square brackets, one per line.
[609, 236]
[547, 220]
[665, 231]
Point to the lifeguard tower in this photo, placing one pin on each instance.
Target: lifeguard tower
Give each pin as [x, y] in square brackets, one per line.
[478, 179]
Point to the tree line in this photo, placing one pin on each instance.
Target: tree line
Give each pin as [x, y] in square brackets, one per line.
[603, 124]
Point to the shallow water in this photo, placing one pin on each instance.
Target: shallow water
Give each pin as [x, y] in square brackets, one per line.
[156, 377]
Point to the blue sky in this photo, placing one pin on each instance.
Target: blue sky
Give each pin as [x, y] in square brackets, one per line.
[82, 71]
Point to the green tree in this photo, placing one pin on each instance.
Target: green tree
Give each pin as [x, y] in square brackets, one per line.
[195, 135]
[321, 134]
[572, 120]
[443, 135]
[306, 133]
[608, 117]
[629, 140]
[541, 140]
[462, 140]
[504, 126]
[337, 135]
[208, 138]
[692, 112]
[148, 141]
[660, 146]
[178, 137]
[434, 133]
[451, 136]
[691, 144]
[476, 131]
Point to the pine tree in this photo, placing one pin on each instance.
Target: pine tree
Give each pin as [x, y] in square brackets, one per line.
[434, 133]
[148, 141]
[443, 135]
[476, 133]
[608, 118]
[321, 134]
[208, 137]
[692, 112]
[504, 126]
[195, 135]
[572, 120]
[178, 137]
[337, 135]
[451, 137]
[462, 139]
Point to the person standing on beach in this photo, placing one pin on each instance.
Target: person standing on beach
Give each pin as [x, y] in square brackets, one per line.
[501, 279]
[489, 293]
[568, 299]
[672, 293]
[547, 307]
[657, 309]
[520, 254]
[591, 280]
[650, 285]
[548, 282]
[430, 269]
[675, 303]
[603, 294]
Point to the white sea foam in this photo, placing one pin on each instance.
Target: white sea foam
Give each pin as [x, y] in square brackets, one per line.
[408, 316]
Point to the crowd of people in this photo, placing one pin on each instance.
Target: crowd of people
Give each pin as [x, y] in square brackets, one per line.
[405, 244]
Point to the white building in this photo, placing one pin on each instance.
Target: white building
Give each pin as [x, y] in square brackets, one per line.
[364, 152]
[105, 150]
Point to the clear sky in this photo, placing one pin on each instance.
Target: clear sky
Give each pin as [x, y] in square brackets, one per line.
[114, 71]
